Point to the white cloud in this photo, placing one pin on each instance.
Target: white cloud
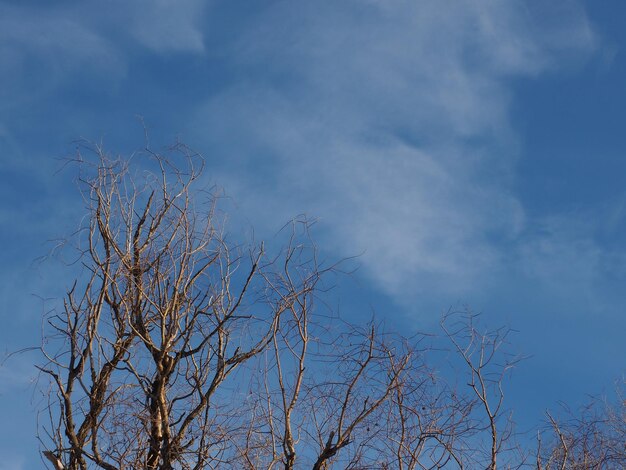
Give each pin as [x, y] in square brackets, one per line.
[42, 48]
[562, 254]
[390, 121]
[10, 461]
[166, 25]
[387, 119]
[16, 372]
[37, 51]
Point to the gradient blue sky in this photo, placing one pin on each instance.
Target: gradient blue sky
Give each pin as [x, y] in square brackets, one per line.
[473, 151]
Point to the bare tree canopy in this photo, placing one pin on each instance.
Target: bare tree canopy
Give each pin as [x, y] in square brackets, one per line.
[593, 437]
[178, 348]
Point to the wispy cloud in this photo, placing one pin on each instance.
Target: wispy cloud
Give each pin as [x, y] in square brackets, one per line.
[50, 35]
[164, 26]
[391, 122]
[16, 371]
[565, 255]
[39, 50]
[11, 462]
[44, 47]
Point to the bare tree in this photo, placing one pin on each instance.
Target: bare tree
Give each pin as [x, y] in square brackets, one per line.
[487, 365]
[177, 348]
[594, 437]
[165, 312]
[160, 319]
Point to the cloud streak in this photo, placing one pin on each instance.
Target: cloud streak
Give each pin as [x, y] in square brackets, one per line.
[392, 124]
[43, 48]
[390, 121]
[164, 26]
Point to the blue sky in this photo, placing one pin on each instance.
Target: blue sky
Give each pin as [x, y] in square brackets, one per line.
[472, 151]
